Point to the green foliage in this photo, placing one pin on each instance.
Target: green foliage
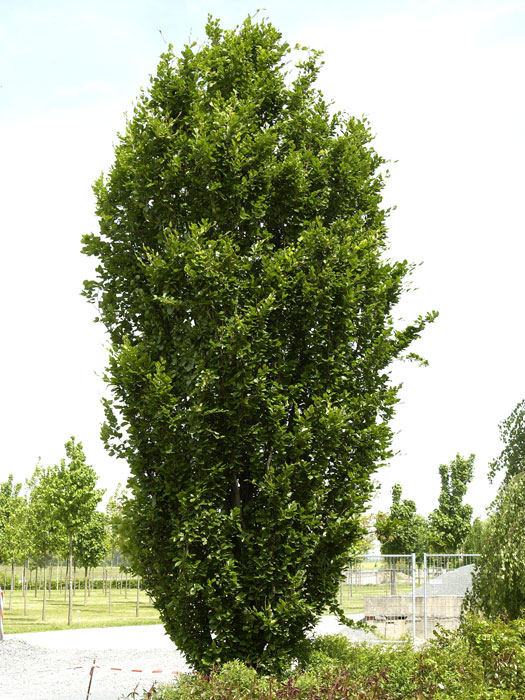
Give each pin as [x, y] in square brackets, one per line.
[474, 541]
[498, 585]
[402, 530]
[116, 531]
[72, 493]
[243, 280]
[48, 533]
[450, 522]
[484, 661]
[73, 499]
[91, 542]
[10, 503]
[512, 433]
[501, 647]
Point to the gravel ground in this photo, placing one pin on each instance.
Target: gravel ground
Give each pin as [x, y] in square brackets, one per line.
[56, 665]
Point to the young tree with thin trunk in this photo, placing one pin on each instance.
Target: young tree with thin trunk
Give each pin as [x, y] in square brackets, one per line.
[244, 280]
[402, 530]
[48, 532]
[10, 503]
[74, 499]
[91, 544]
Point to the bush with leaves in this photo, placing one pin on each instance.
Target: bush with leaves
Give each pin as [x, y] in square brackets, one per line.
[243, 280]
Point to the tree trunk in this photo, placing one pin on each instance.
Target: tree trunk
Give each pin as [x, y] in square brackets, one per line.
[393, 580]
[109, 594]
[36, 581]
[45, 593]
[12, 584]
[70, 564]
[138, 593]
[24, 587]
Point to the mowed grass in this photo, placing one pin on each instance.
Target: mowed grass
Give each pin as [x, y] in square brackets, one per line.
[95, 614]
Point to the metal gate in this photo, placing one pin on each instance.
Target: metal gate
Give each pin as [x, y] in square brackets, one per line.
[404, 599]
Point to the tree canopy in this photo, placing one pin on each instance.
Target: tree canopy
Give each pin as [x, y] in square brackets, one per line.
[244, 282]
[450, 521]
[402, 530]
[10, 501]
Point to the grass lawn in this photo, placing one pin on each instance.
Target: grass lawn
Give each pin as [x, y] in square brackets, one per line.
[352, 599]
[94, 614]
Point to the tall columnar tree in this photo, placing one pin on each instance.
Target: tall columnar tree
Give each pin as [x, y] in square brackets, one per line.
[244, 282]
[498, 584]
[450, 521]
[511, 460]
[74, 499]
[402, 530]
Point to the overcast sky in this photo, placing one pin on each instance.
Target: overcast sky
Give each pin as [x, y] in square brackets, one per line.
[442, 85]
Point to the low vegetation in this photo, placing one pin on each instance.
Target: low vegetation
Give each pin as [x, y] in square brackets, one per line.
[483, 661]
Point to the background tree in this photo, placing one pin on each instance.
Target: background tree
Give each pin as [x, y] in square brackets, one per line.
[511, 460]
[91, 544]
[402, 530]
[9, 495]
[450, 522]
[498, 584]
[74, 499]
[475, 539]
[114, 516]
[11, 540]
[47, 529]
[243, 280]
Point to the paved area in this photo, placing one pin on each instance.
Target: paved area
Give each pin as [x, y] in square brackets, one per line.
[137, 637]
[57, 665]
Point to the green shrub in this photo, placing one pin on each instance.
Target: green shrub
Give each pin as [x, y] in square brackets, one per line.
[482, 661]
[500, 645]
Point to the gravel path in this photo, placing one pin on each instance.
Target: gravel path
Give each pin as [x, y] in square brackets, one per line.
[56, 665]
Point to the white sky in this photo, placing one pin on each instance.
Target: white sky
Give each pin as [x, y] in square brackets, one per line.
[442, 85]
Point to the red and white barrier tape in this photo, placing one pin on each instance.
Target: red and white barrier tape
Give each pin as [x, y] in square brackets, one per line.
[115, 668]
